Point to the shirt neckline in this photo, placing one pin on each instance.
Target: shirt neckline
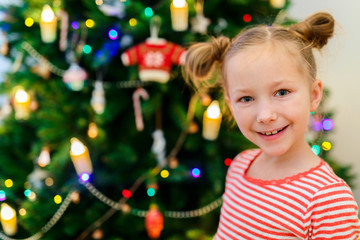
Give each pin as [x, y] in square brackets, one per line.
[278, 181]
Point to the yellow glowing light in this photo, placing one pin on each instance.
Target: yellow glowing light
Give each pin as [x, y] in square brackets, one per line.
[179, 3]
[8, 219]
[29, 22]
[77, 148]
[21, 96]
[133, 22]
[213, 111]
[8, 183]
[99, 2]
[93, 130]
[326, 146]
[164, 173]
[32, 196]
[7, 212]
[49, 181]
[22, 211]
[47, 14]
[44, 157]
[57, 199]
[90, 23]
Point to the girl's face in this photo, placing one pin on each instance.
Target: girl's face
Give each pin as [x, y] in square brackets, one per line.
[271, 98]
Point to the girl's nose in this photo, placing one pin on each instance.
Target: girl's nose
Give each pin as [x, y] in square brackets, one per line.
[266, 114]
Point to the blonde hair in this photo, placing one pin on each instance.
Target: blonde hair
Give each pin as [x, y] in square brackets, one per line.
[299, 39]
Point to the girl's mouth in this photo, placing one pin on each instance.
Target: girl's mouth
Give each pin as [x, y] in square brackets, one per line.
[273, 132]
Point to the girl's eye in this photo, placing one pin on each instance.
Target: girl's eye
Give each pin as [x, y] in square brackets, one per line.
[246, 99]
[282, 93]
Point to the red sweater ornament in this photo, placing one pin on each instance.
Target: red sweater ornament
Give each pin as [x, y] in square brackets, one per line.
[155, 58]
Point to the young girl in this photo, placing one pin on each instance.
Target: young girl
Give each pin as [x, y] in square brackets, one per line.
[281, 190]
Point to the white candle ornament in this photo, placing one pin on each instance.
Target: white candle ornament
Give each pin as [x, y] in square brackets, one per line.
[48, 25]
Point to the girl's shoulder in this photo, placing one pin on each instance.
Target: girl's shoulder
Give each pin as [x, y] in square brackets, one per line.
[243, 160]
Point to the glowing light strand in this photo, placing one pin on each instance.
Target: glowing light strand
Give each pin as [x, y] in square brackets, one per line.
[142, 213]
[35, 54]
[55, 218]
[60, 72]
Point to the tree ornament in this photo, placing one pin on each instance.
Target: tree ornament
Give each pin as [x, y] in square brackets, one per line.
[155, 56]
[277, 3]
[154, 222]
[48, 25]
[75, 197]
[200, 23]
[21, 104]
[98, 97]
[93, 131]
[64, 25]
[36, 177]
[139, 93]
[179, 15]
[80, 157]
[211, 121]
[42, 70]
[44, 157]
[75, 77]
[158, 147]
[8, 219]
[113, 8]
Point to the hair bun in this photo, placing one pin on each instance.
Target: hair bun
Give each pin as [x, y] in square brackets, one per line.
[316, 29]
[219, 47]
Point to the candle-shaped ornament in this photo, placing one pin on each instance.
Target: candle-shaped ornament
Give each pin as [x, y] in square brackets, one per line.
[154, 222]
[48, 25]
[179, 15]
[277, 3]
[212, 121]
[44, 157]
[80, 157]
[8, 219]
[21, 104]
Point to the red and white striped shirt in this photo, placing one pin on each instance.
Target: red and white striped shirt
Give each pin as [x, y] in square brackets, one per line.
[315, 204]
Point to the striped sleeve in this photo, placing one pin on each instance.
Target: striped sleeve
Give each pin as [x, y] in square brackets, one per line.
[333, 214]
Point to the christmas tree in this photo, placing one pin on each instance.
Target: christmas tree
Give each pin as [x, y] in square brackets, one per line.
[100, 137]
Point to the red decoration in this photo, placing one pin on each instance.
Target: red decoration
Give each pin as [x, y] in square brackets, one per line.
[154, 222]
[126, 193]
[154, 58]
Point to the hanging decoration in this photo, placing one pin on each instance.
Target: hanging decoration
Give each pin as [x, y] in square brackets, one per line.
[179, 15]
[212, 121]
[139, 93]
[36, 177]
[48, 25]
[21, 104]
[8, 219]
[98, 97]
[158, 147]
[64, 25]
[80, 157]
[200, 23]
[154, 222]
[75, 77]
[113, 8]
[154, 58]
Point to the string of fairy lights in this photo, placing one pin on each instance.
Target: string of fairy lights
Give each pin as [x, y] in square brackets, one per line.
[79, 153]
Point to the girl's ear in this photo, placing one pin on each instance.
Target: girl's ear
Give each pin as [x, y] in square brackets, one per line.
[316, 94]
[229, 103]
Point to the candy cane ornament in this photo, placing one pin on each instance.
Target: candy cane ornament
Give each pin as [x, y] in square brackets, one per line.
[139, 93]
[64, 16]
